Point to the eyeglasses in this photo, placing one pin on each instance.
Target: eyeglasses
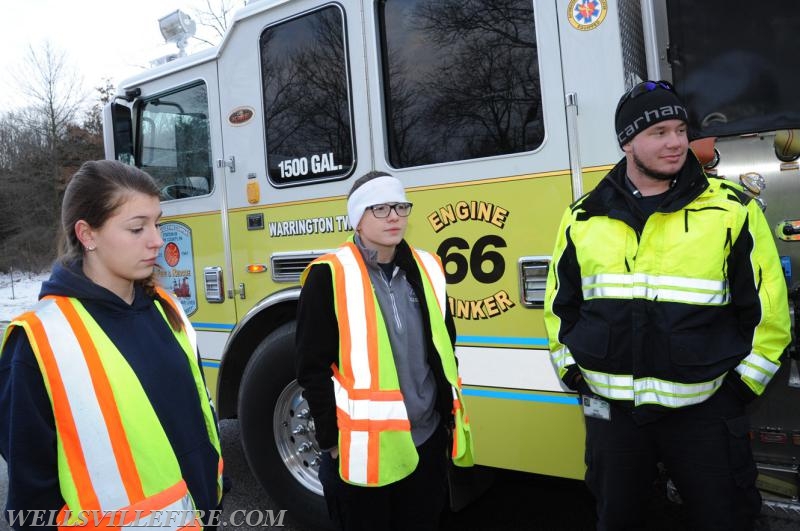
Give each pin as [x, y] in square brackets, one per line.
[383, 210]
[642, 88]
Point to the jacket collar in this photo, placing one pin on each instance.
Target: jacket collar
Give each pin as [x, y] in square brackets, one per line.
[613, 198]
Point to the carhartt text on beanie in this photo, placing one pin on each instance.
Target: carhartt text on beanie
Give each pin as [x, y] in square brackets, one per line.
[640, 112]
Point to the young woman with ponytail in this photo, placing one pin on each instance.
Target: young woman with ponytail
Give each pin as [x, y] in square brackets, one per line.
[103, 311]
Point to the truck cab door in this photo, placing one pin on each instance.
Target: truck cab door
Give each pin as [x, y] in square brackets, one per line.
[170, 129]
[292, 83]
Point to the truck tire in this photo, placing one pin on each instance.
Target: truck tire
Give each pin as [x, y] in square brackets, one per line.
[278, 432]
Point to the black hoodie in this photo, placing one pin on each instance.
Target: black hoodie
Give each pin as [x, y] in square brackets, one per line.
[27, 428]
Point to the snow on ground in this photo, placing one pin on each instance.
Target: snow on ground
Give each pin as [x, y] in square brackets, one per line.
[25, 293]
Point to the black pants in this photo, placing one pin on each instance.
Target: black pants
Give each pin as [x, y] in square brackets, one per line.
[706, 452]
[413, 503]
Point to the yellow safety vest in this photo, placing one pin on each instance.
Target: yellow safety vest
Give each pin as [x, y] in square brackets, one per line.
[115, 463]
[375, 444]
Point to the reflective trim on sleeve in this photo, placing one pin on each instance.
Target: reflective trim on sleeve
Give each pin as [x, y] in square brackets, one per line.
[757, 368]
[760, 362]
[561, 358]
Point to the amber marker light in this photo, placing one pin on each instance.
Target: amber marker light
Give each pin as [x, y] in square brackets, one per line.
[256, 268]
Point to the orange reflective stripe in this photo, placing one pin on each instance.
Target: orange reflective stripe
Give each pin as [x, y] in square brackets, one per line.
[174, 499]
[370, 394]
[220, 483]
[108, 405]
[371, 425]
[373, 456]
[156, 502]
[65, 423]
[366, 413]
[344, 452]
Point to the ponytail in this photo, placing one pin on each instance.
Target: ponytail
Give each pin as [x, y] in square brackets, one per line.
[173, 317]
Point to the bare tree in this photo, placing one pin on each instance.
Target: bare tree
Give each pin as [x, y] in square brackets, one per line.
[473, 90]
[93, 119]
[305, 88]
[53, 89]
[27, 224]
[217, 16]
[40, 145]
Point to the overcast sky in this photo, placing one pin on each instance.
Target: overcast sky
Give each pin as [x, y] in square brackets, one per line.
[101, 38]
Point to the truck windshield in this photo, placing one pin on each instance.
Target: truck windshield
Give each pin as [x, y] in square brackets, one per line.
[175, 143]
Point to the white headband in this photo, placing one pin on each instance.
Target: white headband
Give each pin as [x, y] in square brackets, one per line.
[379, 190]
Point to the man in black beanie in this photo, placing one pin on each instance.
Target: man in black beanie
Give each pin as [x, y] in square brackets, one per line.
[666, 309]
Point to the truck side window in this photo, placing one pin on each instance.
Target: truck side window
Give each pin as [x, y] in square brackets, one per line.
[307, 114]
[175, 142]
[461, 79]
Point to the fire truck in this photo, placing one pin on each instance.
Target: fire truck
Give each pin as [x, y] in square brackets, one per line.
[496, 115]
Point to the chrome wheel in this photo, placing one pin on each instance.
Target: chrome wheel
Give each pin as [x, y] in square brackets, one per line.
[294, 437]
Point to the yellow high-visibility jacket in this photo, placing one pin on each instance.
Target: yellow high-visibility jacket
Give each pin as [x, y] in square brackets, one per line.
[660, 311]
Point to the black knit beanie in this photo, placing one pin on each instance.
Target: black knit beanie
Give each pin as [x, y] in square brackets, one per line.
[640, 112]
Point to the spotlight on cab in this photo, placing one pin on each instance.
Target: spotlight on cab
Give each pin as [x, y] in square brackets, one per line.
[177, 27]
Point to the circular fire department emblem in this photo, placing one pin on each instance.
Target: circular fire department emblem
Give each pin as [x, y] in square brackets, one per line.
[172, 254]
[586, 14]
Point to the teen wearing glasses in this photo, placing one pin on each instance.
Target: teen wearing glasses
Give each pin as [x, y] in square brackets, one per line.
[375, 356]
[666, 309]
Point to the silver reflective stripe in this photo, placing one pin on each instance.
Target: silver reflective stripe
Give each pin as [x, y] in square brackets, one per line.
[650, 390]
[562, 357]
[173, 517]
[652, 397]
[359, 450]
[615, 386]
[356, 311]
[757, 368]
[673, 394]
[91, 426]
[365, 409]
[654, 287]
[655, 280]
[607, 278]
[753, 374]
[691, 297]
[437, 278]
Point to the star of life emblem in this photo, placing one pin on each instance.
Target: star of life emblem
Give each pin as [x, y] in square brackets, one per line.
[586, 14]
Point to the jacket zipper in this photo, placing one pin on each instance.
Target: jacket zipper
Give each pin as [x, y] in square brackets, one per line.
[395, 312]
